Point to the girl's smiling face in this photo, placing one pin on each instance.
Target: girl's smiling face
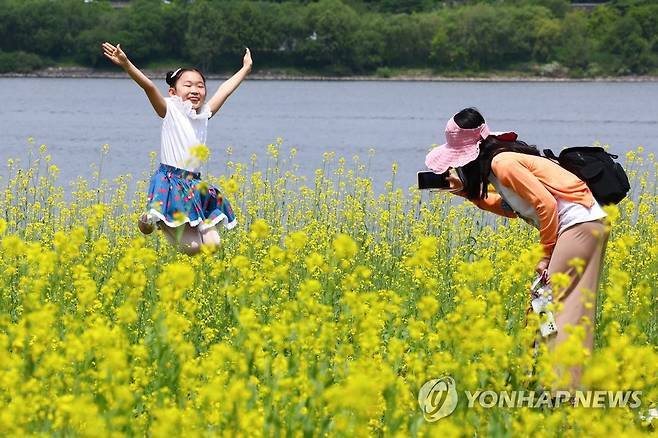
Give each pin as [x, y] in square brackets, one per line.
[190, 86]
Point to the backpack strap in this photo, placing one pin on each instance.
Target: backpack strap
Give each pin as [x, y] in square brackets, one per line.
[548, 153]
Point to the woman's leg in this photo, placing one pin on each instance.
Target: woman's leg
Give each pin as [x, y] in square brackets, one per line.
[189, 240]
[587, 242]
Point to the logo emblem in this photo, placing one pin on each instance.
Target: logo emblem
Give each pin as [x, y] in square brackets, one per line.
[438, 398]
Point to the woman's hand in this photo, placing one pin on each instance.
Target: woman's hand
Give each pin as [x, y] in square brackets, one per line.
[115, 54]
[542, 265]
[456, 184]
[463, 193]
[247, 61]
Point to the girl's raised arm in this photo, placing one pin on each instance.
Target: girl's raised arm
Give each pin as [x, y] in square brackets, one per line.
[229, 86]
[117, 56]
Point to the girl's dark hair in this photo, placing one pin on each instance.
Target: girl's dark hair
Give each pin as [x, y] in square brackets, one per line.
[477, 171]
[171, 78]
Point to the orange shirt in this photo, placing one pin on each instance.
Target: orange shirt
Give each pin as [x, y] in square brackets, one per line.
[539, 181]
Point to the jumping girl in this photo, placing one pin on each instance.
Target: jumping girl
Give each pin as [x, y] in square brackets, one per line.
[542, 193]
[179, 203]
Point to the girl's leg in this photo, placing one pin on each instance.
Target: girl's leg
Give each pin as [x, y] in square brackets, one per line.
[210, 237]
[189, 241]
[586, 241]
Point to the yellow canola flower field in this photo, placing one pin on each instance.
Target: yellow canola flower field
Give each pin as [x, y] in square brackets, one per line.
[322, 314]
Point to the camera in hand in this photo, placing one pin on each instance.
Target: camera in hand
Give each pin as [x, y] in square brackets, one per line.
[431, 180]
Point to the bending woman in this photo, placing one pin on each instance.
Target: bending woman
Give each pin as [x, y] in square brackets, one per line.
[542, 193]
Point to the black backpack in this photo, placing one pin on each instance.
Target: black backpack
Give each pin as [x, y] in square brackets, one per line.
[605, 178]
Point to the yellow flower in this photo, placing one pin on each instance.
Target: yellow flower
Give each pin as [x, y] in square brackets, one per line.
[203, 187]
[200, 152]
[344, 247]
[315, 261]
[276, 253]
[179, 217]
[259, 230]
[296, 241]
[291, 322]
[231, 186]
[613, 213]
[273, 150]
[174, 280]
[427, 306]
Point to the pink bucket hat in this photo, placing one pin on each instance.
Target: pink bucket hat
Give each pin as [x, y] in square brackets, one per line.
[462, 146]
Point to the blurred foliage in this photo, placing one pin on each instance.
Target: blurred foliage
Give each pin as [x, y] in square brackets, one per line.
[340, 36]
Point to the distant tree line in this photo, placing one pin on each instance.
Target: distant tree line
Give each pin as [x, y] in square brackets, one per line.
[338, 36]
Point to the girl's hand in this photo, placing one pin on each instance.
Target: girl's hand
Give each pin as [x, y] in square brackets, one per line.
[115, 54]
[246, 61]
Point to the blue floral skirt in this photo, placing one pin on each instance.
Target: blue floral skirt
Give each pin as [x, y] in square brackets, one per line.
[178, 196]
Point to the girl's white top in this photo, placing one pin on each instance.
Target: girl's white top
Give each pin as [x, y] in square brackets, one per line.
[182, 129]
[569, 213]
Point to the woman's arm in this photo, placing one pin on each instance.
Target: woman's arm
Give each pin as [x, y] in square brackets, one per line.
[493, 203]
[229, 86]
[117, 56]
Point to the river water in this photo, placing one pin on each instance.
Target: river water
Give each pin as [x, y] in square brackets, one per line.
[399, 120]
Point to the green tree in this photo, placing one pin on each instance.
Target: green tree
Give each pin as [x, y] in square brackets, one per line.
[483, 36]
[338, 36]
[288, 23]
[218, 32]
[401, 6]
[152, 30]
[408, 38]
[368, 46]
[647, 18]
[105, 26]
[558, 8]
[205, 34]
[632, 51]
[330, 35]
[45, 27]
[575, 48]
[601, 20]
[19, 62]
[547, 39]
